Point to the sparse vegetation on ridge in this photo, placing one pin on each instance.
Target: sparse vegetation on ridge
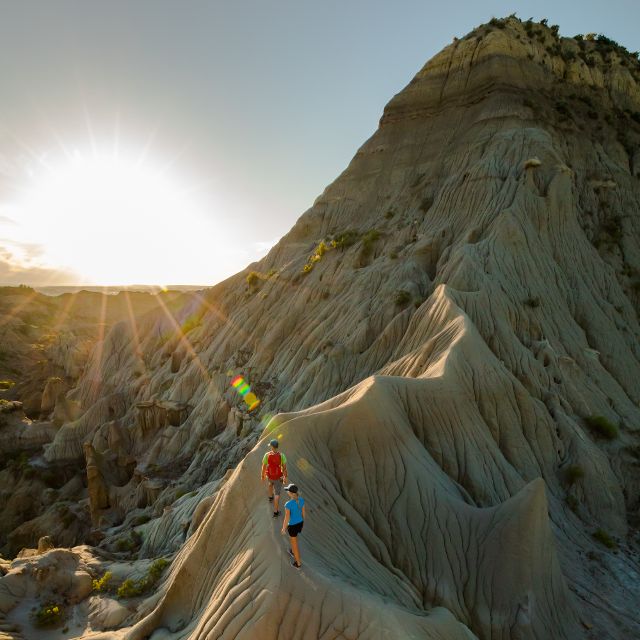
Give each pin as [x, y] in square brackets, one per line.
[134, 588]
[604, 538]
[368, 242]
[402, 298]
[48, 615]
[316, 256]
[103, 584]
[573, 473]
[601, 427]
[345, 239]
[252, 278]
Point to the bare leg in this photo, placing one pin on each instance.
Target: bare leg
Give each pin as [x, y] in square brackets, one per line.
[276, 500]
[294, 548]
[270, 489]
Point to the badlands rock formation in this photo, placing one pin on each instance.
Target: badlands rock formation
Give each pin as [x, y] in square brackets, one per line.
[446, 345]
[45, 343]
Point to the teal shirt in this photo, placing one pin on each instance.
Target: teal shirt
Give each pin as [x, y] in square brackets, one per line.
[295, 510]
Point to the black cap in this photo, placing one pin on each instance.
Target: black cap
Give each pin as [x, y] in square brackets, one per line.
[292, 488]
[274, 443]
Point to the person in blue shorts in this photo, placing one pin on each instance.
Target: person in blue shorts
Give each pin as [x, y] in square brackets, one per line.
[293, 521]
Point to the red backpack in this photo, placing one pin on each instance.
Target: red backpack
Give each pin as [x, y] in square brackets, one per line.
[274, 465]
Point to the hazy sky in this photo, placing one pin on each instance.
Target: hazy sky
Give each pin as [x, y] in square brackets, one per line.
[251, 107]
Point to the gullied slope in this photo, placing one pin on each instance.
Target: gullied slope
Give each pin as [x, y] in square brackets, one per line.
[394, 547]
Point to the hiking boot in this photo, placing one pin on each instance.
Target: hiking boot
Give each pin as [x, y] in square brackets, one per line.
[276, 514]
[270, 498]
[295, 564]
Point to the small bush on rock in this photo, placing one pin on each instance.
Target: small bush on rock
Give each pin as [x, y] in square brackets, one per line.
[603, 537]
[601, 427]
[134, 588]
[574, 473]
[101, 585]
[49, 615]
[402, 297]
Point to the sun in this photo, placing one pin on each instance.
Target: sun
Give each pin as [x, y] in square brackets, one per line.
[114, 218]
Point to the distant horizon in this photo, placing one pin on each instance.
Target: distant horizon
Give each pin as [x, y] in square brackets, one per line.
[91, 287]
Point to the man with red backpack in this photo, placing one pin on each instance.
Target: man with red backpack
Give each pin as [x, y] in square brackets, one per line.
[274, 470]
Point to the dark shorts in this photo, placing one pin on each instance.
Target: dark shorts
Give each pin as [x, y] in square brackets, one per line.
[294, 529]
[277, 486]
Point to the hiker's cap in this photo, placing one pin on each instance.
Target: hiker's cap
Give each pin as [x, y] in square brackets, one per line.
[274, 443]
[292, 488]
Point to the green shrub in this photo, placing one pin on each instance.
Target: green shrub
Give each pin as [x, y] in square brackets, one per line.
[532, 302]
[129, 544]
[49, 615]
[393, 255]
[613, 227]
[389, 214]
[402, 297]
[601, 427]
[563, 108]
[129, 589]
[425, 205]
[603, 537]
[102, 584]
[133, 588]
[252, 278]
[321, 249]
[574, 473]
[316, 256]
[156, 569]
[345, 240]
[368, 242]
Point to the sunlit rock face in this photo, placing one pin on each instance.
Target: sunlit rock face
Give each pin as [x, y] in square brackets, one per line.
[449, 342]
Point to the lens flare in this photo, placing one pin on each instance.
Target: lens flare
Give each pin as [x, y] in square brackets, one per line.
[243, 388]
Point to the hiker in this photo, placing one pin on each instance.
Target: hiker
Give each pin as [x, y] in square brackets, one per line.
[293, 522]
[274, 469]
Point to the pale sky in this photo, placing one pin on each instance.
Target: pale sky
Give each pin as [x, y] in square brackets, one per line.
[173, 142]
